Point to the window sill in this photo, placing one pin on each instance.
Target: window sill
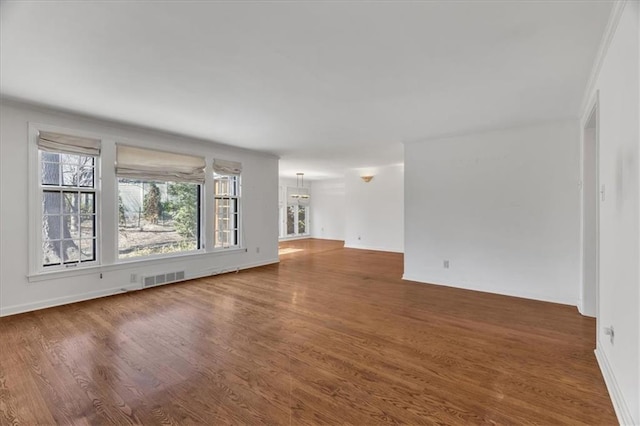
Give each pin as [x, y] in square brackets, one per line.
[126, 264]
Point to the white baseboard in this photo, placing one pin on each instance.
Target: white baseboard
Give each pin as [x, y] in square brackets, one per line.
[217, 271]
[501, 291]
[619, 404]
[373, 248]
[65, 300]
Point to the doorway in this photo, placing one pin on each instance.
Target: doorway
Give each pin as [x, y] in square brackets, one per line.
[590, 215]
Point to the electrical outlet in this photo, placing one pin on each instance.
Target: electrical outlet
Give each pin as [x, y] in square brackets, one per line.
[257, 249]
[445, 263]
[609, 332]
[133, 278]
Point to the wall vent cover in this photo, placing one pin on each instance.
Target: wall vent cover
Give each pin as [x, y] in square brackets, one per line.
[169, 277]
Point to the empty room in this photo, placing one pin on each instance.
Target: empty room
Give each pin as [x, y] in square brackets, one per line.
[320, 212]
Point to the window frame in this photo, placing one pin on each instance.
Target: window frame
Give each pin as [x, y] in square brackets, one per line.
[238, 203]
[200, 239]
[36, 209]
[296, 220]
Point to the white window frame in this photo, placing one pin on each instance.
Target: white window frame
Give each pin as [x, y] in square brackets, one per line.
[200, 238]
[296, 220]
[238, 202]
[149, 173]
[36, 209]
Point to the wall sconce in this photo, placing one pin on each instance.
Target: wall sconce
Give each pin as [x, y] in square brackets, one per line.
[367, 179]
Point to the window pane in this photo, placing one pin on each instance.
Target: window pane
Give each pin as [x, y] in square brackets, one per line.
[87, 250]
[71, 250]
[87, 203]
[51, 227]
[51, 253]
[50, 174]
[69, 175]
[71, 227]
[291, 220]
[51, 202]
[85, 177]
[302, 219]
[87, 226]
[157, 217]
[51, 157]
[222, 186]
[70, 159]
[70, 202]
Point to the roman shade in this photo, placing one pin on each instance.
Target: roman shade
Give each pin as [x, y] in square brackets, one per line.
[56, 142]
[226, 167]
[150, 164]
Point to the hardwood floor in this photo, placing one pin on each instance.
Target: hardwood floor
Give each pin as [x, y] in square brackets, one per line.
[335, 337]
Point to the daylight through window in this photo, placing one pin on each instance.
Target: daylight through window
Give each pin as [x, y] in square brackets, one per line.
[159, 202]
[68, 188]
[226, 203]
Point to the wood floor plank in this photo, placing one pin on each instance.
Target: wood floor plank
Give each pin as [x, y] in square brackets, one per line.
[328, 336]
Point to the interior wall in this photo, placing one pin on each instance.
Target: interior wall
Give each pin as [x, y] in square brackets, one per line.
[618, 89]
[501, 207]
[18, 293]
[328, 209]
[374, 216]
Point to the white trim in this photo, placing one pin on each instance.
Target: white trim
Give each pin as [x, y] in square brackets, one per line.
[134, 263]
[500, 291]
[372, 248]
[295, 237]
[58, 301]
[603, 48]
[594, 108]
[619, 405]
[218, 271]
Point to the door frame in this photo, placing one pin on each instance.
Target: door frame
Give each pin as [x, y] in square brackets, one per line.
[592, 111]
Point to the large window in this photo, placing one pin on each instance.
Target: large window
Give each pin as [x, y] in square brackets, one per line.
[159, 202]
[297, 212]
[157, 217]
[67, 181]
[297, 220]
[227, 221]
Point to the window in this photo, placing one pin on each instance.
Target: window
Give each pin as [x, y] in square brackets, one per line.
[67, 182]
[297, 212]
[226, 179]
[297, 220]
[159, 202]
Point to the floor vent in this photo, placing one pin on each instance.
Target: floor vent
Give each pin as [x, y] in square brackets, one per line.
[169, 277]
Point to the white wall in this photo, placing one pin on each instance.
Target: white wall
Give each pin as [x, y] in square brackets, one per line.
[328, 209]
[618, 89]
[374, 217]
[502, 207]
[18, 293]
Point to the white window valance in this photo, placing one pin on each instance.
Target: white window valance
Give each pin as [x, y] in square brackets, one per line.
[226, 167]
[150, 164]
[56, 142]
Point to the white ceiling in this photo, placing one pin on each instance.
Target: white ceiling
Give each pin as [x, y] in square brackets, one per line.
[325, 85]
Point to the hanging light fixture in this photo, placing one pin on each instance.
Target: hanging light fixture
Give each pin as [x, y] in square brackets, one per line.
[300, 192]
